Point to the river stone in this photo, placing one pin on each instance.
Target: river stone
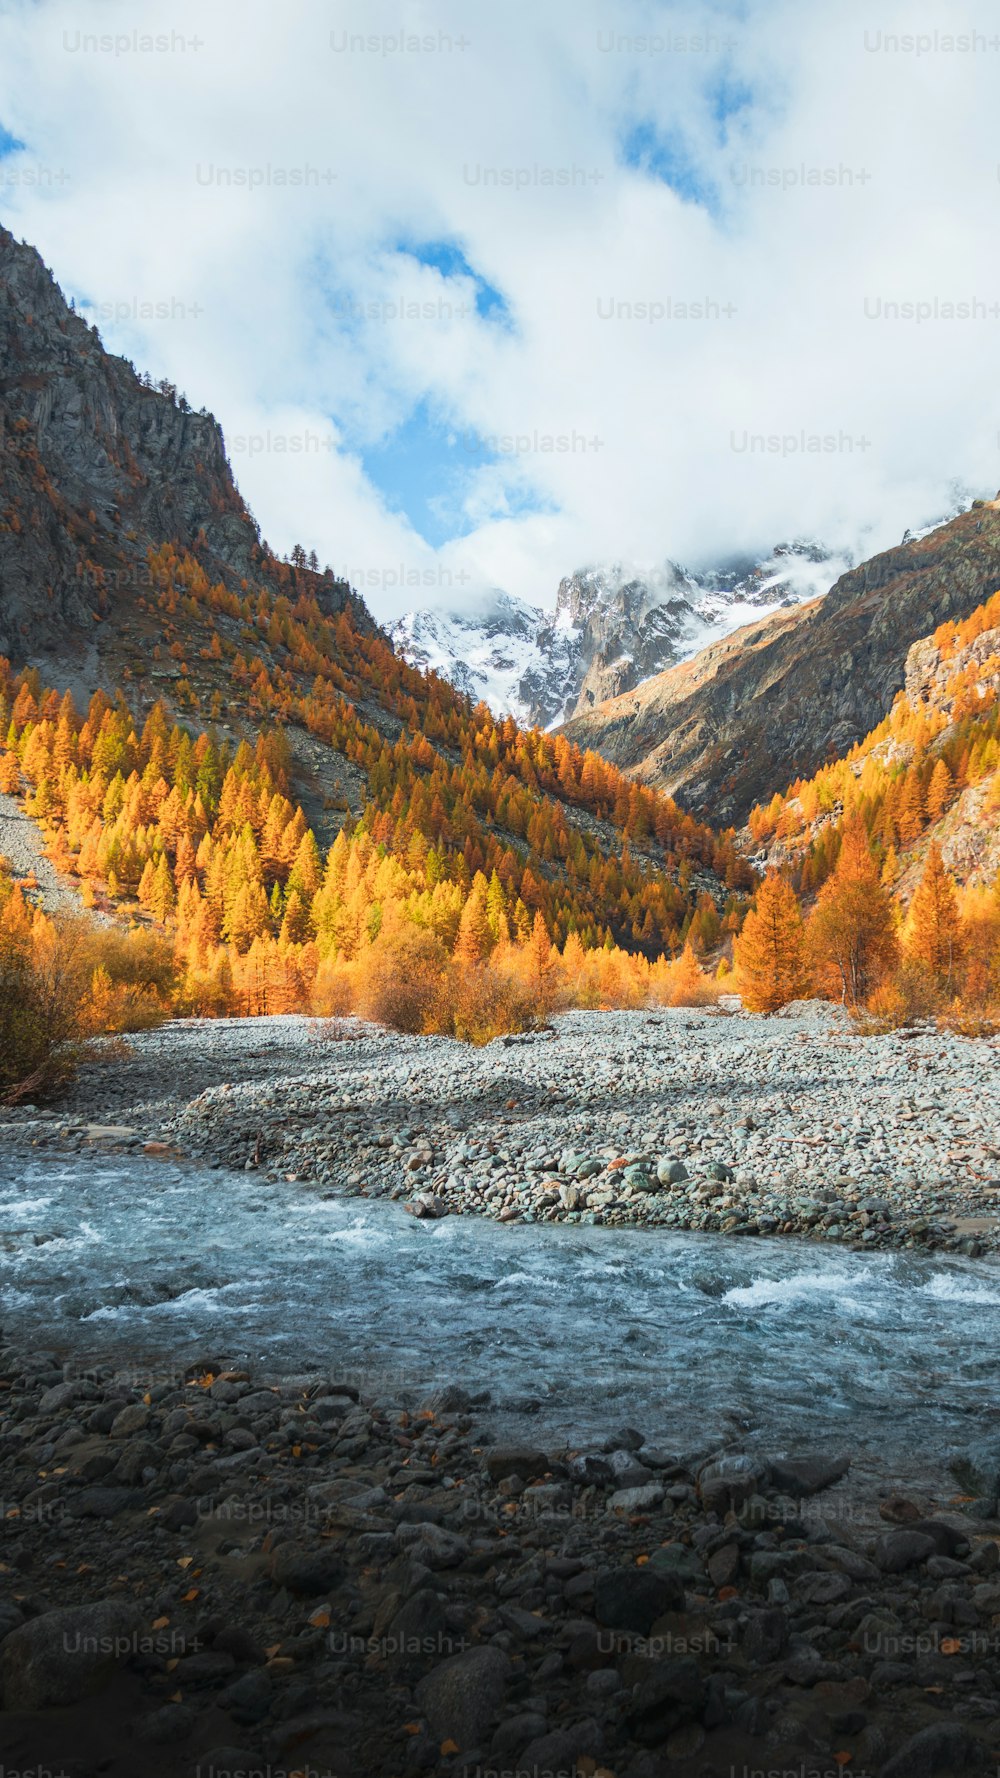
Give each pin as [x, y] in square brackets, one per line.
[636, 1500]
[633, 1598]
[561, 1750]
[102, 1503]
[131, 1419]
[943, 1749]
[64, 1395]
[895, 1551]
[462, 1695]
[518, 1732]
[728, 1483]
[66, 1655]
[801, 1476]
[418, 1631]
[671, 1171]
[947, 1540]
[518, 1460]
[638, 1178]
[670, 1696]
[724, 1565]
[433, 1545]
[304, 1571]
[765, 1637]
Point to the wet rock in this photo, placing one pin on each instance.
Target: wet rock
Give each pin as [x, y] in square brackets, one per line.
[803, 1476]
[636, 1500]
[517, 1460]
[728, 1483]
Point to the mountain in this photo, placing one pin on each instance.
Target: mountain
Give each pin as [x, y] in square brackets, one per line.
[242, 711]
[612, 627]
[774, 700]
[930, 771]
[96, 468]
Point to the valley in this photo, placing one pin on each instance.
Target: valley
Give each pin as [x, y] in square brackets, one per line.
[499, 1186]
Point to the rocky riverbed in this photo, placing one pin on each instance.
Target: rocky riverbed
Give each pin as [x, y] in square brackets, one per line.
[212, 1567]
[706, 1120]
[206, 1574]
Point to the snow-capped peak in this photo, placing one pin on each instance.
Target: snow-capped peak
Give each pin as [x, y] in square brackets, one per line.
[613, 625]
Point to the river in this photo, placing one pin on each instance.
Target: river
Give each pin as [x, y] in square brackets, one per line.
[574, 1330]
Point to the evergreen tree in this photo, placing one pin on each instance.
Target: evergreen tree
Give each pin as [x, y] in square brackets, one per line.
[934, 930]
[852, 932]
[770, 951]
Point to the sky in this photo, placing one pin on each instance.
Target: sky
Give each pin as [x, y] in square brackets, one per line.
[482, 295]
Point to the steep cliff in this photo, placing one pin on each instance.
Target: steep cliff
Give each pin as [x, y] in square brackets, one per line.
[96, 467]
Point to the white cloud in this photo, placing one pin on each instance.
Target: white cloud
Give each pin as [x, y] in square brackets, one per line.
[400, 146]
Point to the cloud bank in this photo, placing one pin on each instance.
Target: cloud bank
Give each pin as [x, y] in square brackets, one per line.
[482, 296]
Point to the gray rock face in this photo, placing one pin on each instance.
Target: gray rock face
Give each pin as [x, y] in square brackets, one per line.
[97, 467]
[64, 1656]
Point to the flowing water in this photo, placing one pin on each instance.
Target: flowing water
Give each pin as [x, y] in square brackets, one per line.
[687, 1337]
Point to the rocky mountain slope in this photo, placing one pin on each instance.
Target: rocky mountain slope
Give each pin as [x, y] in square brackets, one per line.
[611, 628]
[97, 467]
[775, 699]
[930, 772]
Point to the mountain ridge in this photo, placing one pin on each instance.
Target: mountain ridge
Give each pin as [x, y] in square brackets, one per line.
[774, 700]
[611, 627]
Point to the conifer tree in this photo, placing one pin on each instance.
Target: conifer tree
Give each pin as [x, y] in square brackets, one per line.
[934, 929]
[770, 951]
[852, 933]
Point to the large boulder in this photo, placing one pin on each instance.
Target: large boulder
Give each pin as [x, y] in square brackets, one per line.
[462, 1695]
[67, 1655]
